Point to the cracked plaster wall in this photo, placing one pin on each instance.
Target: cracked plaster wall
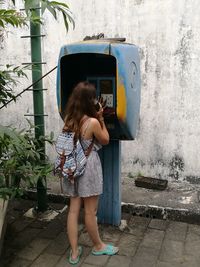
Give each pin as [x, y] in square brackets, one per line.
[168, 34]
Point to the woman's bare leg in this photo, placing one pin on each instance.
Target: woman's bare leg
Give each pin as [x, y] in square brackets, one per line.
[72, 224]
[90, 206]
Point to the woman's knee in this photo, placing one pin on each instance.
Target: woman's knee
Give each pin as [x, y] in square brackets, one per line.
[90, 206]
[90, 212]
[75, 204]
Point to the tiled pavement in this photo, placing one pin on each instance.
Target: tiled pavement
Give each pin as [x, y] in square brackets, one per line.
[145, 242]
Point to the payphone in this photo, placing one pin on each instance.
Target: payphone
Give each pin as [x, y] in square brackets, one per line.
[114, 68]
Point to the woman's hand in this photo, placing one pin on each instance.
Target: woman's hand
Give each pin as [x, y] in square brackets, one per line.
[100, 112]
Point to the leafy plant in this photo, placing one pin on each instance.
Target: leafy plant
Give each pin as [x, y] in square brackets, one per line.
[12, 17]
[21, 160]
[54, 7]
[8, 81]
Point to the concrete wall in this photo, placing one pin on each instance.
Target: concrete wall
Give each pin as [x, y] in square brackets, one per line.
[168, 34]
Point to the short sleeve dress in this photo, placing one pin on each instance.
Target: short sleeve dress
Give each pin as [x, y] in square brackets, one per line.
[91, 182]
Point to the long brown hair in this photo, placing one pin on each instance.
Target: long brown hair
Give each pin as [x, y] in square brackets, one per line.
[80, 103]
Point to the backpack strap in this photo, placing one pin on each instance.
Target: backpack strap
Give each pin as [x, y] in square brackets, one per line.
[89, 149]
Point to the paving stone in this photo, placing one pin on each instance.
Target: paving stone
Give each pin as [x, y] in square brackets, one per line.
[126, 216]
[59, 245]
[117, 260]
[39, 224]
[153, 238]
[110, 234]
[145, 257]
[21, 224]
[139, 222]
[172, 251]
[158, 224]
[46, 260]
[17, 262]
[190, 261]
[34, 249]
[86, 265]
[193, 232]
[23, 238]
[85, 240]
[53, 229]
[96, 260]
[128, 245]
[192, 247]
[167, 264]
[176, 231]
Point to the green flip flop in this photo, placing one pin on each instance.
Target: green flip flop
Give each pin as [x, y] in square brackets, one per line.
[76, 261]
[108, 250]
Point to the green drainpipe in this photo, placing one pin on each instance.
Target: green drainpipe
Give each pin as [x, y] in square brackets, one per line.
[36, 58]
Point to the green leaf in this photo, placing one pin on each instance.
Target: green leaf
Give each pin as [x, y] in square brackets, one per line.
[52, 11]
[27, 5]
[59, 4]
[44, 5]
[65, 21]
[2, 24]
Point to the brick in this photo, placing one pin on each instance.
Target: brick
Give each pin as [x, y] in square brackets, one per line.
[152, 183]
[139, 222]
[146, 257]
[85, 240]
[59, 245]
[153, 238]
[96, 260]
[23, 238]
[21, 224]
[167, 264]
[192, 247]
[172, 251]
[34, 249]
[53, 229]
[118, 260]
[176, 231]
[110, 234]
[128, 245]
[45, 260]
[17, 262]
[158, 224]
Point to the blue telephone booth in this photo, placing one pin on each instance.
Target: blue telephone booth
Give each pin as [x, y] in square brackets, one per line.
[114, 68]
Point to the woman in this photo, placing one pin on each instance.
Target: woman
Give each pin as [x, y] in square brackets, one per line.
[88, 124]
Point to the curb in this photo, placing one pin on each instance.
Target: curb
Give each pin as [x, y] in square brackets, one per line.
[149, 211]
[164, 213]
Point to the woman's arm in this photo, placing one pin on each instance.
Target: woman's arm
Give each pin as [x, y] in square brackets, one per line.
[99, 131]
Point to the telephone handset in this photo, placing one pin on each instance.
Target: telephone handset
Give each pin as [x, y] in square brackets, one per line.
[105, 90]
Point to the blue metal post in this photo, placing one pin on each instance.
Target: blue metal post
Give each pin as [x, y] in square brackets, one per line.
[110, 201]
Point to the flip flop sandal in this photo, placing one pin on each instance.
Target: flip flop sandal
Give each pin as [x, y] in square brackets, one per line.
[108, 250]
[75, 261]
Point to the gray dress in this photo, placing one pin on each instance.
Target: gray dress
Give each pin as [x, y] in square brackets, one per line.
[91, 182]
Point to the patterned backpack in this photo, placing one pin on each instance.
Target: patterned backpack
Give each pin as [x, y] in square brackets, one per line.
[71, 160]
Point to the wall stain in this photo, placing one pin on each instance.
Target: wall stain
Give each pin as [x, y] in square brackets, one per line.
[183, 51]
[176, 167]
[192, 179]
[138, 2]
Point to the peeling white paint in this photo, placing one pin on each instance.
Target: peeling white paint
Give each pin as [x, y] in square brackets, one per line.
[168, 34]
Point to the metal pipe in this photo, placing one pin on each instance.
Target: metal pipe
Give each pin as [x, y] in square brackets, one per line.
[38, 104]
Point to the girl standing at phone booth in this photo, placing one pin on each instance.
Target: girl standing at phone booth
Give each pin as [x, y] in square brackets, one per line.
[88, 124]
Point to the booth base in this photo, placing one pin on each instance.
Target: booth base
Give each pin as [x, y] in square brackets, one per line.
[110, 201]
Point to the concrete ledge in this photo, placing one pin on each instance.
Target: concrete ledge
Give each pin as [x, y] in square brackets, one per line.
[151, 211]
[165, 213]
[3, 211]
